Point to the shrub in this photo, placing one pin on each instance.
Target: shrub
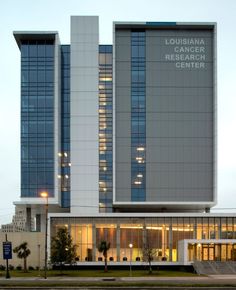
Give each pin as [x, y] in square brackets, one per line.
[31, 268]
[19, 268]
[2, 268]
[11, 267]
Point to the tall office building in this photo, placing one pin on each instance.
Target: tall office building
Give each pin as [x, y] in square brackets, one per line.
[123, 138]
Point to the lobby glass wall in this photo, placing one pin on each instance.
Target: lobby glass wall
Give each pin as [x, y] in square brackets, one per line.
[160, 233]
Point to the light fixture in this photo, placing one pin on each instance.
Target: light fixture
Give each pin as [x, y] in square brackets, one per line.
[59, 154]
[130, 265]
[44, 194]
[140, 175]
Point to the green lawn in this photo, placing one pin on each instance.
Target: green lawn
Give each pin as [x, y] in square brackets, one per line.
[98, 273]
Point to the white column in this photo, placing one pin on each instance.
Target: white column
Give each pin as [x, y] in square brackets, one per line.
[84, 115]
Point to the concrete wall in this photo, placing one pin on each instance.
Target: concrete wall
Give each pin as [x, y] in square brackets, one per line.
[35, 242]
[180, 116]
[84, 115]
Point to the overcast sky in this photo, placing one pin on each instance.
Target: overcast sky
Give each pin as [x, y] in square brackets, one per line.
[55, 15]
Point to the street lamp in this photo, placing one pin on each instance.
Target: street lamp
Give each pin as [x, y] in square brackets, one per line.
[130, 259]
[45, 195]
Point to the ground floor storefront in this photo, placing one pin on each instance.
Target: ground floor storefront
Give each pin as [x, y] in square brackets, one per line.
[201, 238]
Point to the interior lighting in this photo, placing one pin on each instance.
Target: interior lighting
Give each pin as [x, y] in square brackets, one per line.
[106, 79]
[140, 149]
[59, 154]
[66, 176]
[139, 158]
[140, 175]
[138, 182]
[59, 176]
[103, 148]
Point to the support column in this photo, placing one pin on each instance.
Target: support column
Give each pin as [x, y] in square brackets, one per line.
[163, 240]
[118, 243]
[195, 229]
[170, 242]
[94, 242]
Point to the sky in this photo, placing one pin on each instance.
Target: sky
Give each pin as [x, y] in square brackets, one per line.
[55, 15]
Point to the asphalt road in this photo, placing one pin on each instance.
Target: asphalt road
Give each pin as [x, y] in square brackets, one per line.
[119, 288]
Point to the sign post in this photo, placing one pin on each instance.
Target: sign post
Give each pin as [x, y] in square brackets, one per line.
[7, 255]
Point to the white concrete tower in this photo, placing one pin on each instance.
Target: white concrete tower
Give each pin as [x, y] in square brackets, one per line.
[84, 115]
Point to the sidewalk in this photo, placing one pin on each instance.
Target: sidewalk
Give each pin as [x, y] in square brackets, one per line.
[211, 279]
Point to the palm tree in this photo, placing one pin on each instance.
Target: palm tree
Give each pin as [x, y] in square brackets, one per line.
[103, 248]
[22, 253]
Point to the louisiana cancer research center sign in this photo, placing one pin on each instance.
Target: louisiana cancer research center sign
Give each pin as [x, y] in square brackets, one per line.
[186, 52]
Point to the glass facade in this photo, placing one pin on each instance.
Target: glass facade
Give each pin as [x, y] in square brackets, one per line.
[105, 128]
[164, 234]
[37, 117]
[138, 116]
[64, 155]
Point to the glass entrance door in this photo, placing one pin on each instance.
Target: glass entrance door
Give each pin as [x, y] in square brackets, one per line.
[208, 252]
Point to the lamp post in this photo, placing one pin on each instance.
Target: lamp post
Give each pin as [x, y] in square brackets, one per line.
[45, 195]
[130, 259]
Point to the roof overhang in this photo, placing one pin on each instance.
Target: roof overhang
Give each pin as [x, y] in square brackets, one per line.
[34, 35]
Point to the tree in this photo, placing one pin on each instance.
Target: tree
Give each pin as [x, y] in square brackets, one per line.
[22, 252]
[103, 248]
[148, 252]
[63, 251]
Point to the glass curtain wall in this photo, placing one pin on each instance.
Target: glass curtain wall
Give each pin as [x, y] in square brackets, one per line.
[64, 155]
[162, 235]
[105, 128]
[37, 117]
[138, 115]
